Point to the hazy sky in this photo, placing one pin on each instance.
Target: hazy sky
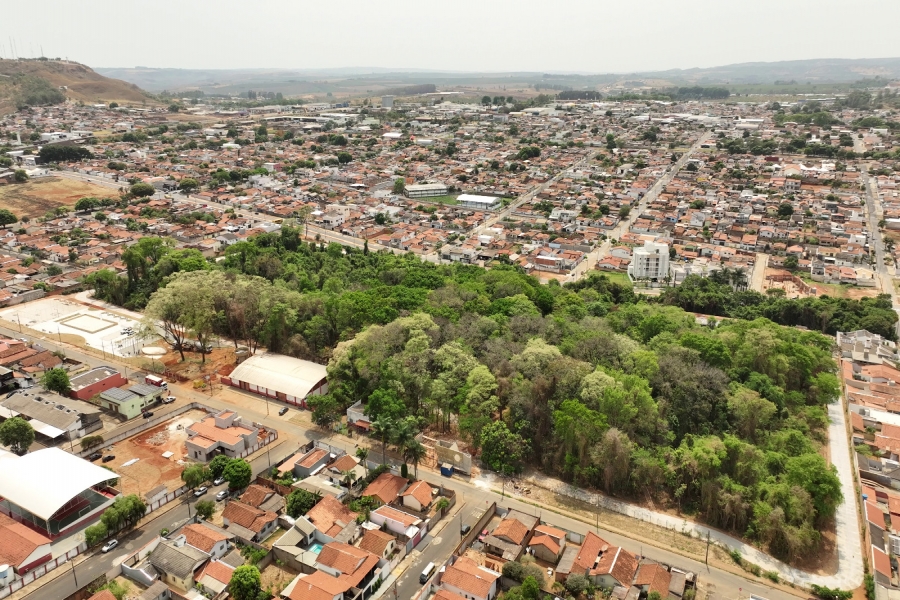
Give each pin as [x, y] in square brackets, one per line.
[470, 35]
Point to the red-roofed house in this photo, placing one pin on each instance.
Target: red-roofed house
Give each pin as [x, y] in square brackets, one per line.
[22, 548]
[470, 580]
[547, 543]
[316, 586]
[386, 487]
[215, 576]
[222, 433]
[247, 522]
[418, 496]
[616, 567]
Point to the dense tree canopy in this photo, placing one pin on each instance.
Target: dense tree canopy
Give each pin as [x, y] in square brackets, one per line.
[586, 381]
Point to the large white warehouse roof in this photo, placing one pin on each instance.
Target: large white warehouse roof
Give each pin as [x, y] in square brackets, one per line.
[280, 373]
[43, 481]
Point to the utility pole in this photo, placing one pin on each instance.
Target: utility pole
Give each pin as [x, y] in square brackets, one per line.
[707, 548]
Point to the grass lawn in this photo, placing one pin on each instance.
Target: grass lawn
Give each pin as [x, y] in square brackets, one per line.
[448, 199]
[620, 278]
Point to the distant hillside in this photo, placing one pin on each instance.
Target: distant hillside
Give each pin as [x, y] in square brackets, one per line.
[373, 81]
[36, 81]
[822, 70]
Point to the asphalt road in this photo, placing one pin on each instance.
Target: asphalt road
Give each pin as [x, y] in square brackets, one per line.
[726, 585]
[99, 563]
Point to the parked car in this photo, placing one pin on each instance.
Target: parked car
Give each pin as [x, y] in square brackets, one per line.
[168, 400]
[218, 481]
[282, 411]
[222, 495]
[200, 491]
[148, 414]
[95, 456]
[109, 457]
[109, 546]
[465, 529]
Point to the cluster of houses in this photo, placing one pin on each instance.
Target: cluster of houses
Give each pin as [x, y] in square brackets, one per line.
[871, 382]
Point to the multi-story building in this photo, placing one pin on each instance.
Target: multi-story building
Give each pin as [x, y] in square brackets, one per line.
[650, 262]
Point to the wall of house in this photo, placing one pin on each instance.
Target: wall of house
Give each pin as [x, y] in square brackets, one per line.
[89, 391]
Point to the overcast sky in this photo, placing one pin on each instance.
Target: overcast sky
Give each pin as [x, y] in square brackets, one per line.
[596, 36]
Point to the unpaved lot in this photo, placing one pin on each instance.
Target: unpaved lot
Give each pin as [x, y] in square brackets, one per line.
[37, 197]
[152, 469]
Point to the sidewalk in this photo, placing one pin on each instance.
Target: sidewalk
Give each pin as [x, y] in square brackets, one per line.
[850, 564]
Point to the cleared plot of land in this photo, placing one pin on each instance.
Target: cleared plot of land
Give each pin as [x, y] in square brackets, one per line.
[152, 469]
[37, 197]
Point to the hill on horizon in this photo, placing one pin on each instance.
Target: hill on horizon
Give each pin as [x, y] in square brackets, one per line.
[42, 79]
[372, 80]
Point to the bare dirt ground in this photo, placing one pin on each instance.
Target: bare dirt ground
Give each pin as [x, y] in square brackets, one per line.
[220, 361]
[822, 289]
[35, 198]
[152, 469]
[276, 577]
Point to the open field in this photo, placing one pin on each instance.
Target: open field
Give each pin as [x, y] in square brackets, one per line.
[38, 196]
[620, 278]
[832, 290]
[449, 199]
[151, 469]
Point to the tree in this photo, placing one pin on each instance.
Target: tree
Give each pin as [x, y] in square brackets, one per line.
[362, 453]
[238, 474]
[7, 218]
[486, 100]
[20, 176]
[399, 185]
[187, 305]
[791, 263]
[383, 427]
[189, 184]
[515, 570]
[344, 157]
[624, 211]
[501, 449]
[245, 583]
[17, 434]
[205, 508]
[95, 534]
[531, 589]
[194, 476]
[217, 466]
[299, 502]
[142, 190]
[90, 441]
[56, 380]
[785, 210]
[57, 153]
[576, 583]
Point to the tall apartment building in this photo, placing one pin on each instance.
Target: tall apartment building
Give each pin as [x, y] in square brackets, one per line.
[649, 262]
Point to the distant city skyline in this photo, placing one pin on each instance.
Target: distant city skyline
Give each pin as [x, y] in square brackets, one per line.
[586, 36]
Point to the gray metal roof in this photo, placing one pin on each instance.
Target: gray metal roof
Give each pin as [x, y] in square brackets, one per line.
[117, 395]
[179, 561]
[142, 389]
[50, 408]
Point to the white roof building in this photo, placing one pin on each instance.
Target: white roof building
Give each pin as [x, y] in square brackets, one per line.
[480, 202]
[28, 496]
[281, 377]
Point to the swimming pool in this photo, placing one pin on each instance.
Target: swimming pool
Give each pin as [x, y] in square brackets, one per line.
[316, 547]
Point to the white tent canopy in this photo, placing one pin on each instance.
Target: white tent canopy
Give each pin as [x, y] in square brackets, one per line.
[42, 482]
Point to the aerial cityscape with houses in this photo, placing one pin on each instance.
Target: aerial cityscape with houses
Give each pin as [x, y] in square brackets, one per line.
[420, 334]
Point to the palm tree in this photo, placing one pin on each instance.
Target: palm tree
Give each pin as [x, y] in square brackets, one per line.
[414, 452]
[383, 427]
[348, 476]
[362, 453]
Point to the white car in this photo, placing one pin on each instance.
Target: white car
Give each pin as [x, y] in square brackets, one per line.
[222, 495]
[168, 400]
[109, 546]
[200, 491]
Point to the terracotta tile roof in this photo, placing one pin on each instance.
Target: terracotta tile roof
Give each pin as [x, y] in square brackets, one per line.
[247, 516]
[421, 491]
[881, 562]
[17, 541]
[590, 550]
[312, 458]
[389, 512]
[344, 463]
[511, 529]
[330, 516]
[217, 570]
[466, 575]
[375, 541]
[445, 595]
[103, 595]
[353, 563]
[619, 563]
[546, 541]
[386, 487]
[255, 495]
[318, 586]
[553, 532]
[201, 537]
[655, 576]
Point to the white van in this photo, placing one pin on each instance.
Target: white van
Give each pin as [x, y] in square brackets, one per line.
[427, 573]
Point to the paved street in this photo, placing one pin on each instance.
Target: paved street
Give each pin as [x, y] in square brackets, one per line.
[726, 584]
